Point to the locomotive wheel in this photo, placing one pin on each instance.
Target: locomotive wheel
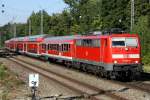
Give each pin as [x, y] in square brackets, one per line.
[68, 64]
[138, 76]
[130, 76]
[83, 67]
[102, 75]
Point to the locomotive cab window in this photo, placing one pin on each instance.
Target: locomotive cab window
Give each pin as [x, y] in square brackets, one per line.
[118, 42]
[123, 42]
[131, 42]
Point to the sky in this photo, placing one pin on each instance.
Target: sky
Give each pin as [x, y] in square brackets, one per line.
[19, 10]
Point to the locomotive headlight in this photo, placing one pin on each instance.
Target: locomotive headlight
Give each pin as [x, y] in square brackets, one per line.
[115, 62]
[136, 62]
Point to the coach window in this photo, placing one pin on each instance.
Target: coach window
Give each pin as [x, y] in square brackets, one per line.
[68, 47]
[65, 47]
[44, 46]
[57, 47]
[54, 47]
[61, 47]
[48, 46]
[51, 46]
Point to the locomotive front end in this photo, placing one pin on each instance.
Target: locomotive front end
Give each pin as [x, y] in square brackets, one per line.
[126, 55]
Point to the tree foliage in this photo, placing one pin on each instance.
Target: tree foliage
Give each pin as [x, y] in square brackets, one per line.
[142, 27]
[82, 16]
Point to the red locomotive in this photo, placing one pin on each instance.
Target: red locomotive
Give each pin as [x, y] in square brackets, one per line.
[116, 55]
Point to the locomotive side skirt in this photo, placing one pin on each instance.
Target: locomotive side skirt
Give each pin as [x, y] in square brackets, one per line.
[111, 66]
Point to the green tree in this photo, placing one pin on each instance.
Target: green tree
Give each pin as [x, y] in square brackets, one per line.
[143, 29]
[35, 19]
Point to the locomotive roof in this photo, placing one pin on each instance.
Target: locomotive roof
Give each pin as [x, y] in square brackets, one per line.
[61, 38]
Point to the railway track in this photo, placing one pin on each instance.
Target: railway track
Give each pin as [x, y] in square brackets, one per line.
[138, 85]
[6, 53]
[146, 75]
[75, 85]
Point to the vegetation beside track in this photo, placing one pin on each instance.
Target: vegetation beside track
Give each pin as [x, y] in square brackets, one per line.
[9, 84]
[147, 68]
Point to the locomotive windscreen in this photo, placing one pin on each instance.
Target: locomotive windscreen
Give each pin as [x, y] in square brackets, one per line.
[122, 42]
[131, 42]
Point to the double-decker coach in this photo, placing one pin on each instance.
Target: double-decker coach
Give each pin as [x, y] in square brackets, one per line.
[33, 45]
[60, 48]
[16, 44]
[11, 44]
[20, 47]
[7, 45]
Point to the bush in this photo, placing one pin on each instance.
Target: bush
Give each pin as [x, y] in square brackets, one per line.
[142, 28]
[146, 59]
[2, 72]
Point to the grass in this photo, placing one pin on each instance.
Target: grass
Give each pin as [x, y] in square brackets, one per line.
[9, 82]
[147, 68]
[2, 72]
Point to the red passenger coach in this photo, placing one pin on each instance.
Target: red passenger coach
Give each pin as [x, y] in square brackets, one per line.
[20, 42]
[7, 45]
[33, 45]
[16, 44]
[59, 48]
[11, 44]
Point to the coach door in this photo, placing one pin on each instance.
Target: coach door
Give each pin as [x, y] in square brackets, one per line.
[103, 49]
[25, 47]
